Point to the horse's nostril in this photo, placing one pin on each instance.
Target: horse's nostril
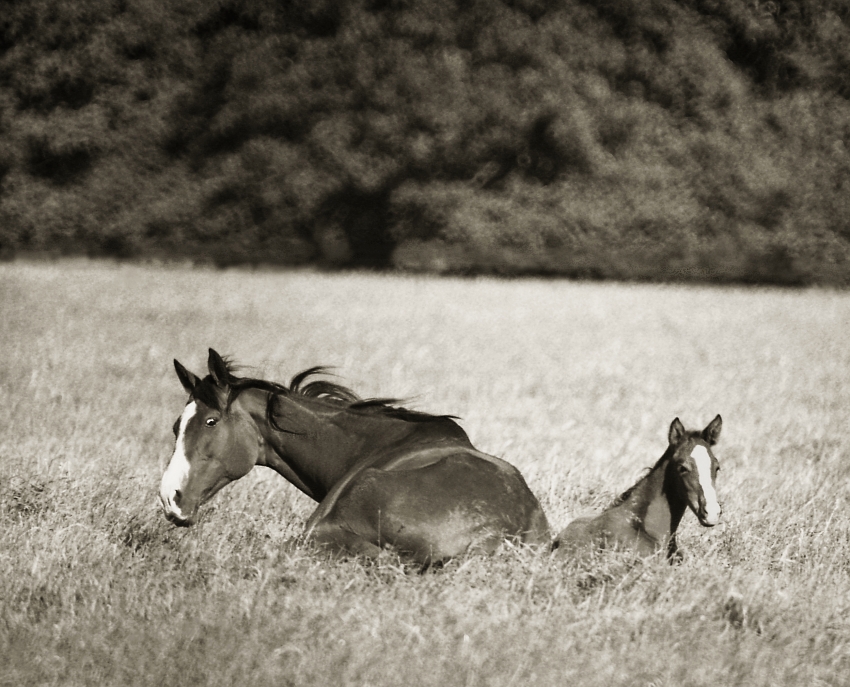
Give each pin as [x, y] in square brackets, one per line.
[178, 495]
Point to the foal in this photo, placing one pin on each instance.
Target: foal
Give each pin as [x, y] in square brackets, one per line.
[645, 517]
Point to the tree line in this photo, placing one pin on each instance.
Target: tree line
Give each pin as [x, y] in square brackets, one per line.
[636, 139]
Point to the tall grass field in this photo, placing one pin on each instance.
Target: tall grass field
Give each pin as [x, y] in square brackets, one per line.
[574, 383]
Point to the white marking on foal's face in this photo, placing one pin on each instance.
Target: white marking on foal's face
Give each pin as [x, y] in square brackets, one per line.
[177, 473]
[703, 463]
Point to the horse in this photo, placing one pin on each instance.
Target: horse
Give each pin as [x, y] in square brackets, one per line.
[385, 477]
[644, 519]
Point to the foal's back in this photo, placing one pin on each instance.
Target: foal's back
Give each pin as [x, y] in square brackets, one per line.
[612, 529]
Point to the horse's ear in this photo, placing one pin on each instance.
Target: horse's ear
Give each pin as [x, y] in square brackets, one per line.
[187, 379]
[712, 432]
[218, 368]
[677, 431]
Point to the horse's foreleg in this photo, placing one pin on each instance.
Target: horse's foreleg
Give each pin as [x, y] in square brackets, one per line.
[336, 537]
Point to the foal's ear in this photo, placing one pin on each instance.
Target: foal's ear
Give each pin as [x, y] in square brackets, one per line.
[677, 431]
[187, 379]
[218, 368]
[712, 433]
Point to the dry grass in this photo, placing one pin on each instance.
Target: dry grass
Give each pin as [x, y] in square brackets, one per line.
[574, 383]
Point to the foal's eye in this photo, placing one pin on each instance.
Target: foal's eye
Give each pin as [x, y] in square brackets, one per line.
[683, 470]
[211, 422]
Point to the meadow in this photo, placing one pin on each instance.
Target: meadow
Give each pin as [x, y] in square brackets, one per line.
[575, 383]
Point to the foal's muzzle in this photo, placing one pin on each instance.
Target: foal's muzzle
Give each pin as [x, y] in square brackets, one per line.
[709, 518]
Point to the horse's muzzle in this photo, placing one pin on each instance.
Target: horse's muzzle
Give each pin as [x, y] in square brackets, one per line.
[172, 511]
[179, 521]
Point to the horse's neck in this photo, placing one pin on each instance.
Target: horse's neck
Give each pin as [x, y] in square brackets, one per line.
[321, 444]
[654, 504]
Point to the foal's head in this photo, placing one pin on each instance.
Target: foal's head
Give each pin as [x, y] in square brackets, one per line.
[217, 442]
[695, 467]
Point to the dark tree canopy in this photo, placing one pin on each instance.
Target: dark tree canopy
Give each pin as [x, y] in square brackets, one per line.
[640, 139]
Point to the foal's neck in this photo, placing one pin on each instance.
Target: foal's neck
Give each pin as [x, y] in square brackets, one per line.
[655, 505]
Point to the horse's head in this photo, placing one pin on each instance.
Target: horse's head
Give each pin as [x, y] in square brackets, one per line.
[217, 442]
[695, 467]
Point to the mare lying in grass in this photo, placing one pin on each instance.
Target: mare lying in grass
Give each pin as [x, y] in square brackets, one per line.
[384, 477]
[645, 517]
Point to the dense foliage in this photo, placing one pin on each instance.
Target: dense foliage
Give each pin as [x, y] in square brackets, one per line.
[692, 139]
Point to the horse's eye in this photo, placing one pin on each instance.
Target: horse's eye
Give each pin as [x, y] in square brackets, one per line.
[211, 422]
[683, 469]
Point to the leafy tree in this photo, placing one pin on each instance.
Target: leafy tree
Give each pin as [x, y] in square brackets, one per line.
[640, 139]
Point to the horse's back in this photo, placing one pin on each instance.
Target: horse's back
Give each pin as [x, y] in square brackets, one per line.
[435, 505]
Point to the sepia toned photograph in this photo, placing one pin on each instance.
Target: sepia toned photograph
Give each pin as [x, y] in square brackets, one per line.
[374, 343]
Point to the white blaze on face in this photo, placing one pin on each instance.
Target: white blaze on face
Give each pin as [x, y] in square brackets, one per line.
[703, 463]
[177, 472]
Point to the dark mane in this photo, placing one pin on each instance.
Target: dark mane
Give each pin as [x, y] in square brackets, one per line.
[647, 472]
[335, 395]
[628, 492]
[388, 407]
